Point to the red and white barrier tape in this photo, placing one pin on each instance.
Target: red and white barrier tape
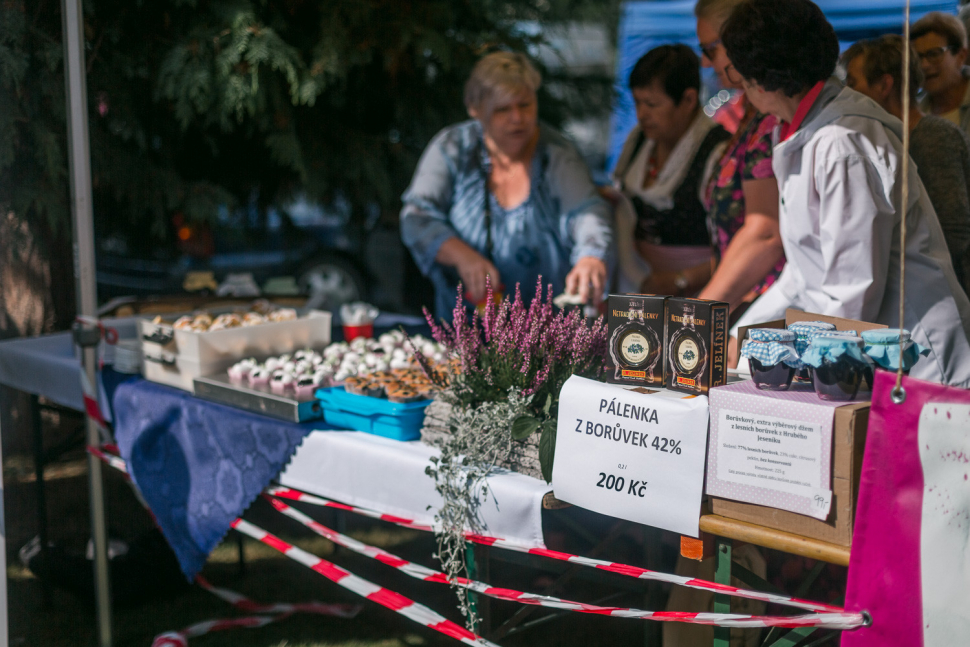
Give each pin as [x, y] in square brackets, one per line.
[110, 460]
[279, 611]
[622, 569]
[384, 597]
[838, 620]
[91, 405]
[181, 638]
[296, 495]
[829, 616]
[243, 603]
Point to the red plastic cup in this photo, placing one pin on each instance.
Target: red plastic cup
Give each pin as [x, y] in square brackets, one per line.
[363, 330]
[498, 293]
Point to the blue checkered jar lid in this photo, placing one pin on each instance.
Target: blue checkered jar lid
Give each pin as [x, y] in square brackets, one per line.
[803, 328]
[832, 333]
[882, 347]
[771, 346]
[833, 349]
[770, 334]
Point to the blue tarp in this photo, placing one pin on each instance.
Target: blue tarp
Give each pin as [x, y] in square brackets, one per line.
[645, 25]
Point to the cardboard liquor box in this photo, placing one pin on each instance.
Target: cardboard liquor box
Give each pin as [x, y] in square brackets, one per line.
[849, 427]
[635, 329]
[697, 344]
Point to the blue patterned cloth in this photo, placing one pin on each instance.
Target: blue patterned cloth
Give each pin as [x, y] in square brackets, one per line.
[833, 349]
[562, 220]
[771, 346]
[197, 464]
[882, 347]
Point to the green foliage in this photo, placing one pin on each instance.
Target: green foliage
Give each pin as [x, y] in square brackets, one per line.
[197, 103]
[479, 441]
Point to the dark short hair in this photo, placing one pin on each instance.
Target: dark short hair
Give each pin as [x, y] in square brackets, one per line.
[785, 45]
[884, 55]
[946, 25]
[675, 67]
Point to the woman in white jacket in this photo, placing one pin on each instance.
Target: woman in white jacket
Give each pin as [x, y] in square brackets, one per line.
[838, 160]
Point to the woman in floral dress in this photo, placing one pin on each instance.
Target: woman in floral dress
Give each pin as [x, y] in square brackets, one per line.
[742, 197]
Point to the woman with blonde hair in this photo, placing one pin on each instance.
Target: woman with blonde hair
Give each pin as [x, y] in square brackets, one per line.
[742, 196]
[505, 197]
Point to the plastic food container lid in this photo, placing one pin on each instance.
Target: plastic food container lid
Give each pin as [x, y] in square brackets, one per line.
[884, 336]
[770, 334]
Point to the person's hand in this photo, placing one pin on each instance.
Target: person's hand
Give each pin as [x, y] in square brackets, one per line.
[588, 271]
[610, 194]
[473, 268]
[732, 352]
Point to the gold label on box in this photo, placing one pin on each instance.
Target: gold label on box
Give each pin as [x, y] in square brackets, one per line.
[634, 347]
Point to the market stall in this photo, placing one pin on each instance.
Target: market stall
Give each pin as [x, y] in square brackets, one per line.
[636, 449]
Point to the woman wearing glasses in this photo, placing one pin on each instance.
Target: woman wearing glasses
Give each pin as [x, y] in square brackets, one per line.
[839, 162]
[742, 196]
[940, 41]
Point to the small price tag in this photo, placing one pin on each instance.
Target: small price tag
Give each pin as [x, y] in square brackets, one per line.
[822, 502]
[632, 456]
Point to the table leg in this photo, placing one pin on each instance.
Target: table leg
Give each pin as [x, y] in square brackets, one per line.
[472, 569]
[652, 598]
[240, 549]
[722, 575]
[40, 491]
[4, 634]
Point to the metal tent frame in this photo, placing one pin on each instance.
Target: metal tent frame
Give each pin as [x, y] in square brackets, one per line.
[86, 285]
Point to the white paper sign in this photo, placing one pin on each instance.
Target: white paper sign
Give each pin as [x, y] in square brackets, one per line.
[630, 455]
[769, 452]
[944, 451]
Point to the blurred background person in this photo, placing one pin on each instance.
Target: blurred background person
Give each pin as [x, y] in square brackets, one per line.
[505, 197]
[940, 149]
[940, 41]
[742, 196]
[838, 163]
[663, 242]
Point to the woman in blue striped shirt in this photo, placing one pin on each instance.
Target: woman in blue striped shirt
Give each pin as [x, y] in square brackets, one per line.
[506, 197]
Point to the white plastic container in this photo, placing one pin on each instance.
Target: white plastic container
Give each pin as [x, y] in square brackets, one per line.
[176, 357]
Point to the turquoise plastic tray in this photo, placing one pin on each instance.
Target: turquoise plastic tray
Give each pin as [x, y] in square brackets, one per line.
[400, 421]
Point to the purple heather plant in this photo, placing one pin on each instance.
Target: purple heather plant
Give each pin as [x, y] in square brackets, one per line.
[535, 349]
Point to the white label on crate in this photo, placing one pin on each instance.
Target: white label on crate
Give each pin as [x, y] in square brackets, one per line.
[632, 455]
[775, 453]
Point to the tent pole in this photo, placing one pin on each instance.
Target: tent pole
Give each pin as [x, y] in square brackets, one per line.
[84, 273]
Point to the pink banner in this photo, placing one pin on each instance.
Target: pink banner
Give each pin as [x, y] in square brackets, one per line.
[885, 571]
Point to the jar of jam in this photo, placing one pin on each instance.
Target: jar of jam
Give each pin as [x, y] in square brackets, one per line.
[803, 331]
[771, 357]
[838, 366]
[883, 349]
[867, 375]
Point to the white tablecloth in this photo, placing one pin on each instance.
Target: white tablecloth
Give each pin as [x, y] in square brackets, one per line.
[388, 476]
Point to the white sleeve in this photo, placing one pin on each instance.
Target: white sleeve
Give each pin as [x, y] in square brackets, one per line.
[855, 235]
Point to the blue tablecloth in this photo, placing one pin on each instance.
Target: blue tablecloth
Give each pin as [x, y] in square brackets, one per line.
[197, 464]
